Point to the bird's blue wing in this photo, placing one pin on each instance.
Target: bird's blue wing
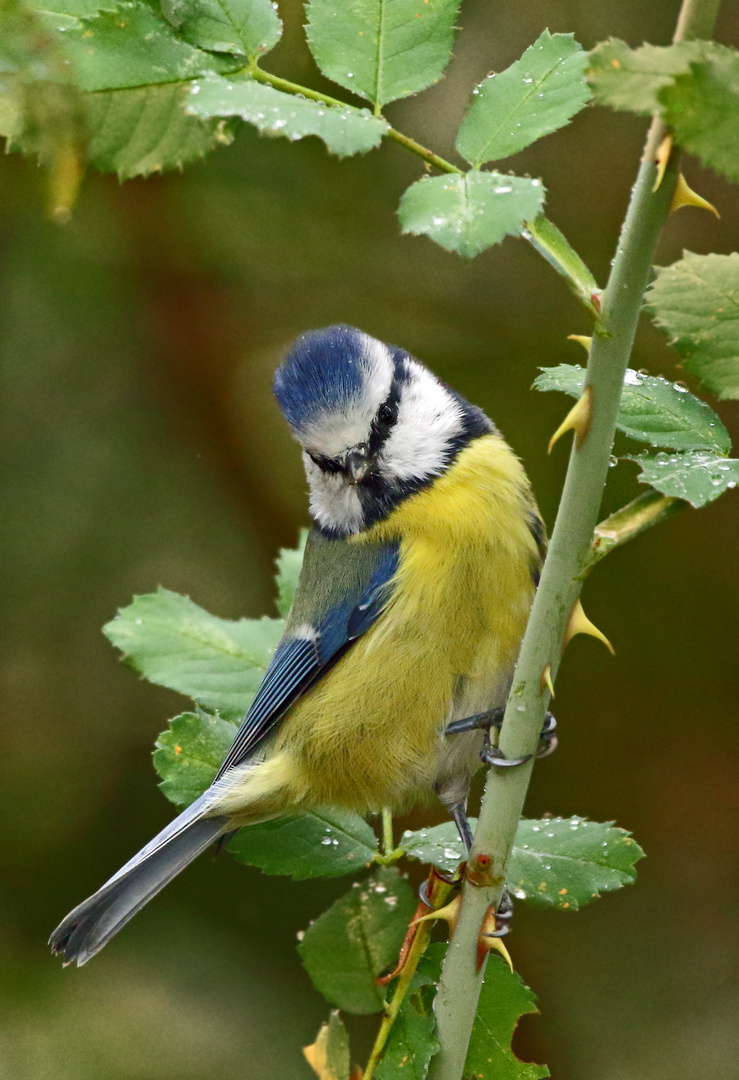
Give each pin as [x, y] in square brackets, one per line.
[309, 651]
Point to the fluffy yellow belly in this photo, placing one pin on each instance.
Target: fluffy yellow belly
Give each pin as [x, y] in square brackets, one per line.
[370, 733]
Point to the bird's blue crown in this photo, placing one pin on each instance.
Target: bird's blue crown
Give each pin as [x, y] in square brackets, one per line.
[324, 370]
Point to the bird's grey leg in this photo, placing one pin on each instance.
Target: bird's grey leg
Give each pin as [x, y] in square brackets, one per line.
[453, 796]
[493, 718]
[458, 811]
[504, 914]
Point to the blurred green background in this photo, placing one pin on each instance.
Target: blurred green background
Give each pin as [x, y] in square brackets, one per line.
[141, 446]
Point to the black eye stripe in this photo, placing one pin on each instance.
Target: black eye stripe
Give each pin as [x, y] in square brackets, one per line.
[327, 465]
[386, 417]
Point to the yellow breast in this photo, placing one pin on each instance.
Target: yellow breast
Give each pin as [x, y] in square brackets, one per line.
[368, 734]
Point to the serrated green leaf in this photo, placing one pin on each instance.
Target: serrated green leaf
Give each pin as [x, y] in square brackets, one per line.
[131, 47]
[702, 108]
[536, 95]
[130, 132]
[289, 562]
[696, 302]
[172, 642]
[382, 50]
[504, 999]
[57, 21]
[697, 476]
[245, 27]
[652, 410]
[326, 842]
[338, 1062]
[556, 862]
[412, 1042]
[630, 79]
[471, 212]
[188, 755]
[360, 935]
[567, 862]
[344, 129]
[147, 130]
[329, 1055]
[439, 845]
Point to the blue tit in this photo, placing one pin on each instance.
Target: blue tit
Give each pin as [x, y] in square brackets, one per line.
[413, 597]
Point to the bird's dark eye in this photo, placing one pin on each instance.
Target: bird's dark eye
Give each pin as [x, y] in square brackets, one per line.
[387, 414]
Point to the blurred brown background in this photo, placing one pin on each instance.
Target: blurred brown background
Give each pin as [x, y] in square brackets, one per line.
[141, 446]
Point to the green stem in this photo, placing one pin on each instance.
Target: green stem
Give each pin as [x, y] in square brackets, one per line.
[387, 832]
[561, 581]
[423, 152]
[410, 144]
[630, 521]
[293, 88]
[697, 20]
[288, 87]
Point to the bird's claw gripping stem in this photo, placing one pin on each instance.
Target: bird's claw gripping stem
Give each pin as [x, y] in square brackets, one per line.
[492, 755]
[502, 917]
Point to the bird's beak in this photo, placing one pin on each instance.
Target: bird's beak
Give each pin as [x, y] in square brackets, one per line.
[358, 463]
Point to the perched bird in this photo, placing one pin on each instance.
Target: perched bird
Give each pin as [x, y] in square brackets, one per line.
[413, 597]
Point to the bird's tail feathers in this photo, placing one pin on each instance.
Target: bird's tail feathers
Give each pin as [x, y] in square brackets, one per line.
[96, 920]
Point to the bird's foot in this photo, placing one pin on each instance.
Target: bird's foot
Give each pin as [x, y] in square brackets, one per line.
[501, 918]
[492, 755]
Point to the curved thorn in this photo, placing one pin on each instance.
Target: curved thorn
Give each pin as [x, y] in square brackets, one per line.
[663, 156]
[582, 339]
[578, 419]
[545, 680]
[579, 623]
[685, 196]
